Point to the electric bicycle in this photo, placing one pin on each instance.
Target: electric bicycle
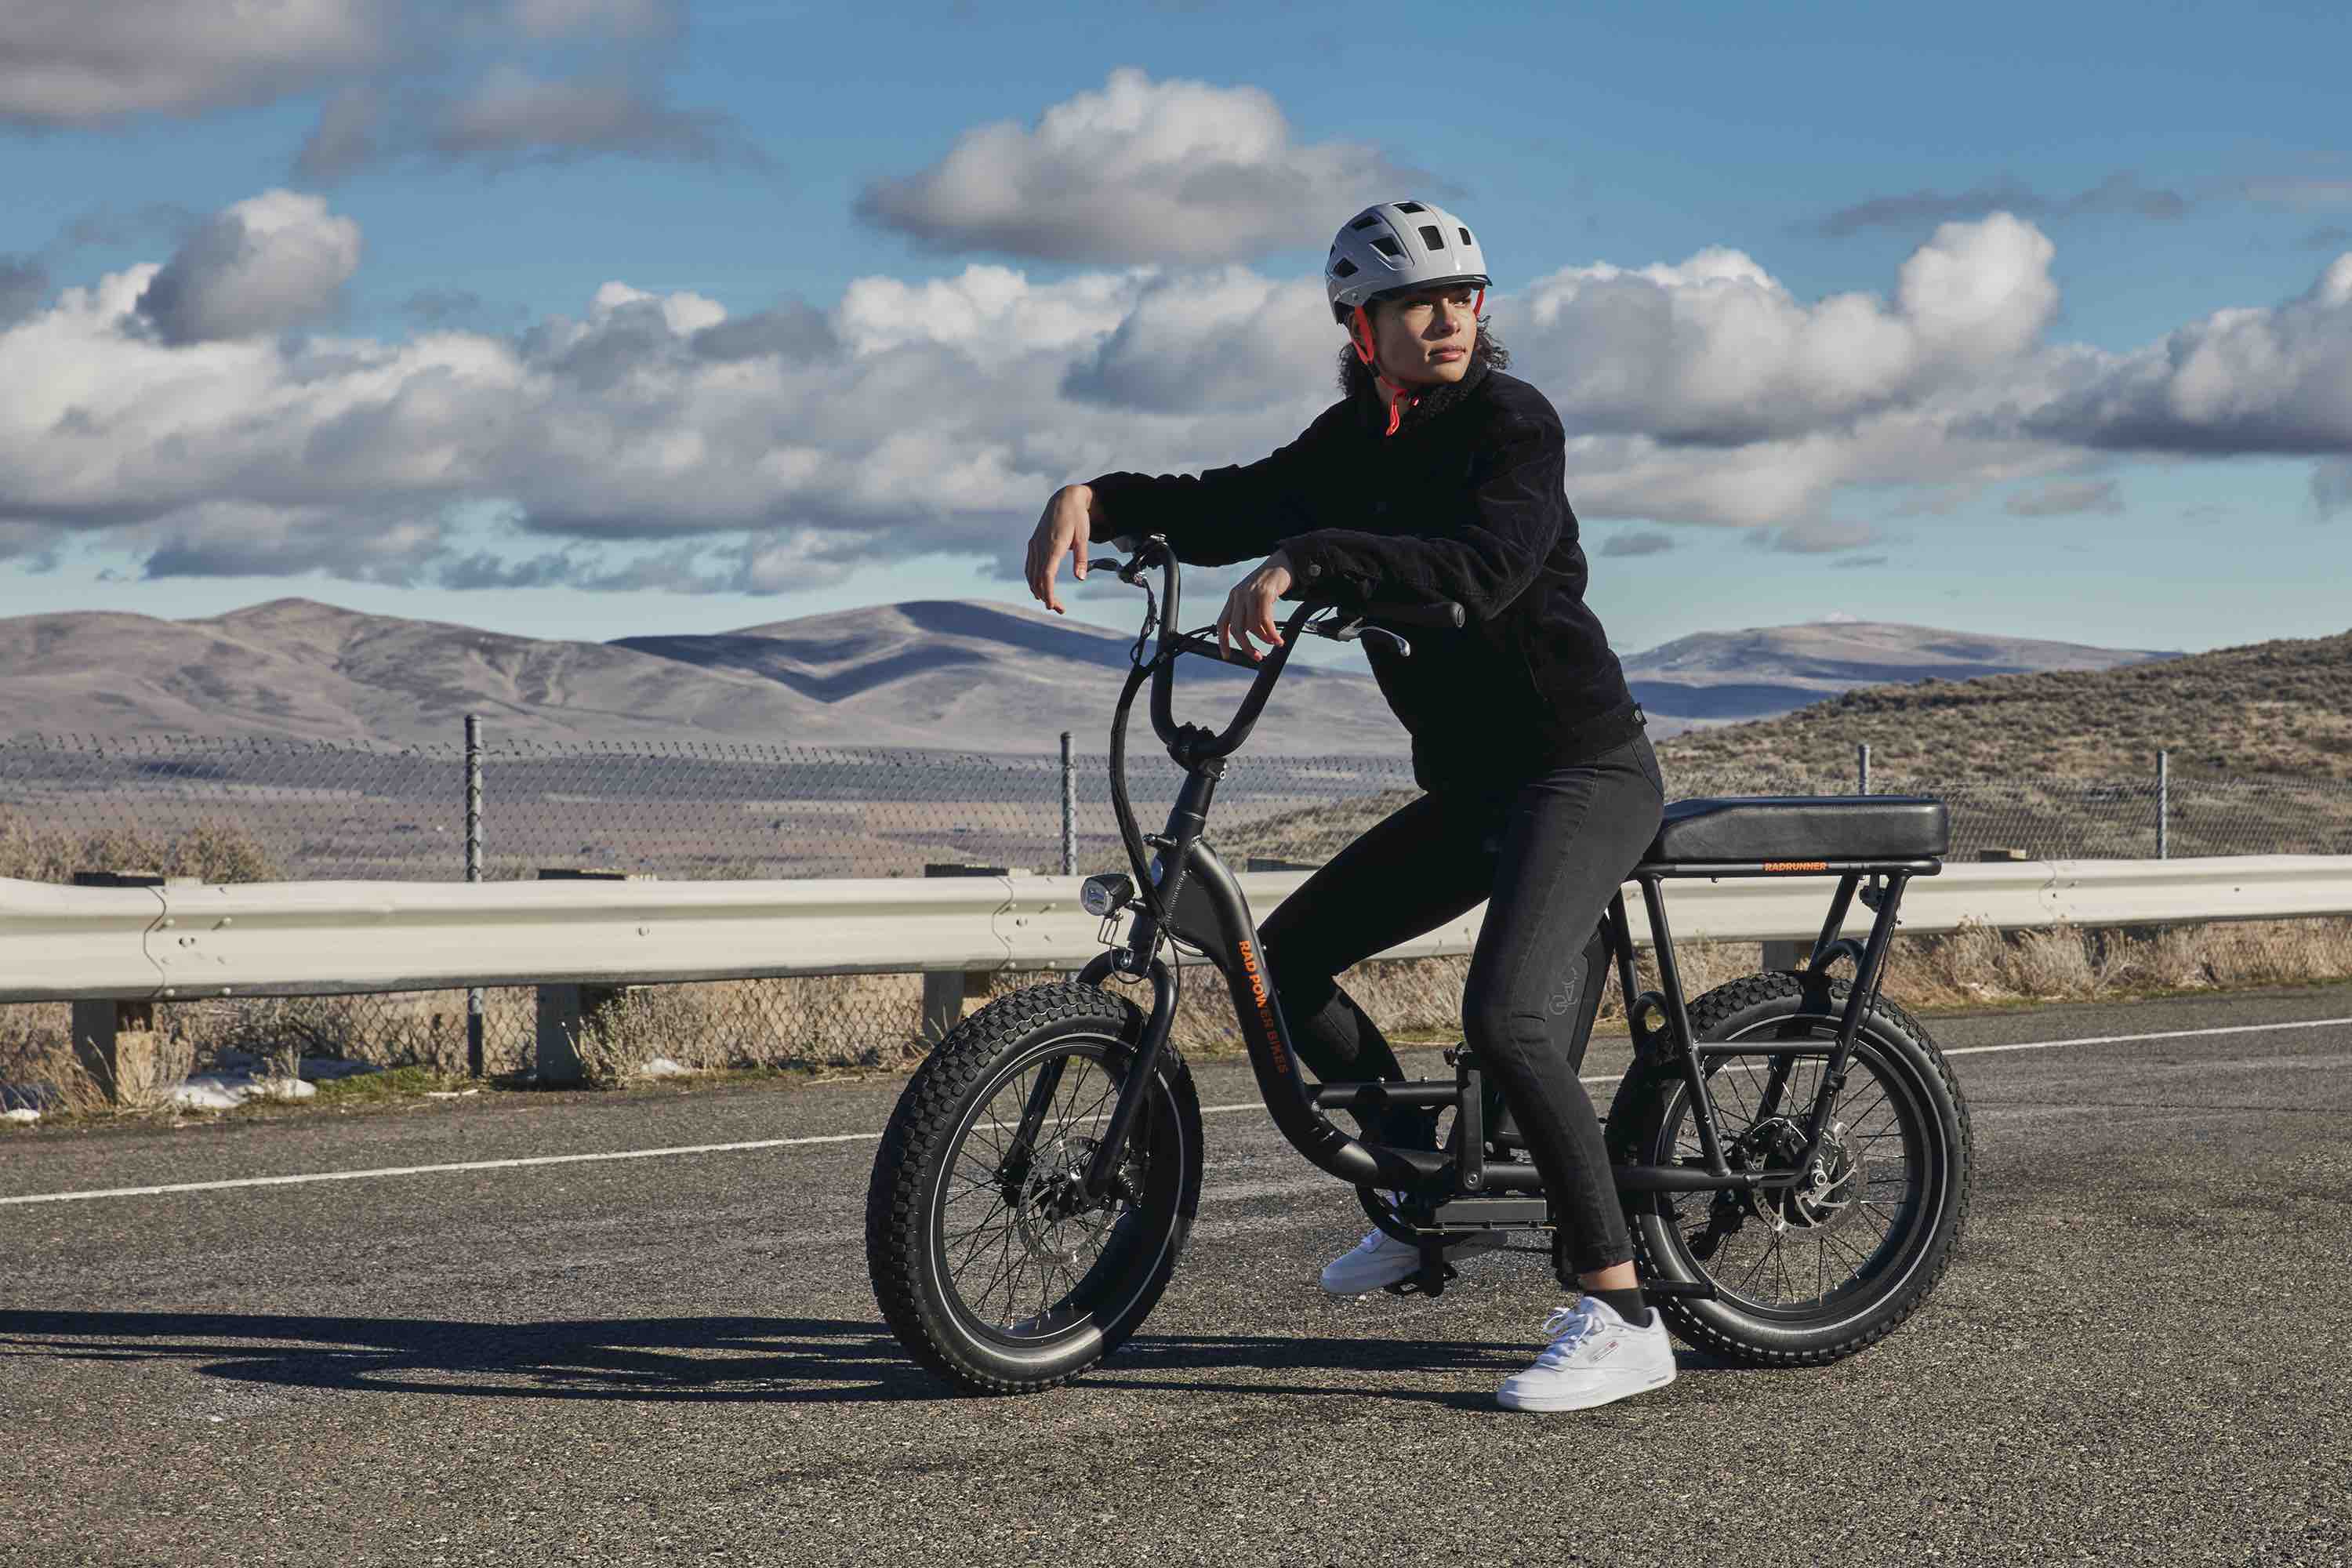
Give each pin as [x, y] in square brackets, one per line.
[1793, 1150]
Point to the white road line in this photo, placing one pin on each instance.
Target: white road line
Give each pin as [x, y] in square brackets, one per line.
[383, 1171]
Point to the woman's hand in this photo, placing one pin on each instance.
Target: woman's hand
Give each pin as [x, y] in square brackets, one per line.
[1249, 608]
[1065, 528]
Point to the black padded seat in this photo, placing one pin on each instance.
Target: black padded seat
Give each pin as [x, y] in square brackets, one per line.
[1804, 827]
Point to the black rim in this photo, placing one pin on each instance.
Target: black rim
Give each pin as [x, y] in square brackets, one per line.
[1834, 1245]
[1022, 1258]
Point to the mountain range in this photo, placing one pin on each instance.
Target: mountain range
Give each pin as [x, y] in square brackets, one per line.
[958, 674]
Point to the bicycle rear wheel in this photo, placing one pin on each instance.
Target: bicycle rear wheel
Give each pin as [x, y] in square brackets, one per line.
[988, 1261]
[1806, 1276]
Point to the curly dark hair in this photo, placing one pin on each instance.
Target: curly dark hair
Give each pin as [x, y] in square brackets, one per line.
[1357, 381]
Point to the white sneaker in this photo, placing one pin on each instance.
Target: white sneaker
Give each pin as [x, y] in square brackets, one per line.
[1595, 1357]
[1380, 1259]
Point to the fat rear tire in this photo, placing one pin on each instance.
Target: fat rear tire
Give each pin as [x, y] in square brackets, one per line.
[1649, 1123]
[937, 1138]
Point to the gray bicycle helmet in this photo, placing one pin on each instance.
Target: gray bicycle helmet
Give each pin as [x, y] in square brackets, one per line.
[1398, 244]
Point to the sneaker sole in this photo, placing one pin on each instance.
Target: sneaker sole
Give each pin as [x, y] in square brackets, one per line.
[1547, 1403]
[1453, 1254]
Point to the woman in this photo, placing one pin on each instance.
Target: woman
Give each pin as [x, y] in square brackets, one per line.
[1438, 476]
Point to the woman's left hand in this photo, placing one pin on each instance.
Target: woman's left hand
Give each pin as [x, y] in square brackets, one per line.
[1249, 608]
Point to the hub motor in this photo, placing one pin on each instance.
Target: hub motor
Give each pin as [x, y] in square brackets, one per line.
[1826, 1195]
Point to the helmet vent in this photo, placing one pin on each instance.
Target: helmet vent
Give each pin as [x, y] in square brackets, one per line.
[1388, 246]
[1465, 236]
[1343, 268]
[1369, 220]
[1411, 207]
[1432, 236]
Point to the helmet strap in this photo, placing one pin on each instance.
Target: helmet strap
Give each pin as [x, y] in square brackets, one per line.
[1360, 333]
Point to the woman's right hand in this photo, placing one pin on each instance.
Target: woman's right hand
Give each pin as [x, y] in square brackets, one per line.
[1065, 528]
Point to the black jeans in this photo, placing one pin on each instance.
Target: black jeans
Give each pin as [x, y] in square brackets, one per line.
[1545, 857]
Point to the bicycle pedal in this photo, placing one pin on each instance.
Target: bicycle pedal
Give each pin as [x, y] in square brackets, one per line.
[1426, 1281]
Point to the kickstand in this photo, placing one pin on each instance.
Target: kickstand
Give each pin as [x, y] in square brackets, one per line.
[1431, 1278]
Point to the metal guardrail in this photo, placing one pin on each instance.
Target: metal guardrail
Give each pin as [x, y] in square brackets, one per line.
[183, 941]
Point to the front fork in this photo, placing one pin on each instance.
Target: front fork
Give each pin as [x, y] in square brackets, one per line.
[1142, 1074]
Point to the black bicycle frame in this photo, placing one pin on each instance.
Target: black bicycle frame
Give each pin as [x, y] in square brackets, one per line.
[1187, 893]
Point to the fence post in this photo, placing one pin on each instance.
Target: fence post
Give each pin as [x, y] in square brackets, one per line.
[1862, 765]
[945, 991]
[116, 1041]
[473, 874]
[1069, 809]
[2163, 806]
[567, 1013]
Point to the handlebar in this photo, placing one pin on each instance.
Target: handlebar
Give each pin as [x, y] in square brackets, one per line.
[1343, 627]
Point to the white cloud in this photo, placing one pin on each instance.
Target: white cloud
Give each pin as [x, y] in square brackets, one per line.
[387, 71]
[1225, 338]
[266, 264]
[1715, 351]
[986, 309]
[654, 439]
[2066, 498]
[1172, 173]
[77, 62]
[511, 111]
[2274, 380]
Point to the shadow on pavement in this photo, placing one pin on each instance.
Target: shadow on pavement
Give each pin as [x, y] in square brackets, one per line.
[715, 1359]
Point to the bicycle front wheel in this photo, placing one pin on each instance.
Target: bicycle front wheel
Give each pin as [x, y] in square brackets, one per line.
[989, 1262]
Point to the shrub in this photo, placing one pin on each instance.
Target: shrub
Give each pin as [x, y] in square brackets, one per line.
[215, 850]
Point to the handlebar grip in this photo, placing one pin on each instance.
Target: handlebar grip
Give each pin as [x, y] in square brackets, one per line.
[1446, 612]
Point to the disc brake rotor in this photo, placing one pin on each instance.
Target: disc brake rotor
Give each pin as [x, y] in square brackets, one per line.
[1052, 1194]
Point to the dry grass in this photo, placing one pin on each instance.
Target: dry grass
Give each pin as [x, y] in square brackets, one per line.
[825, 1021]
[216, 851]
[2279, 708]
[39, 1055]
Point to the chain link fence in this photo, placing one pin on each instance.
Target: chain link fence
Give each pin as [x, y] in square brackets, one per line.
[247, 810]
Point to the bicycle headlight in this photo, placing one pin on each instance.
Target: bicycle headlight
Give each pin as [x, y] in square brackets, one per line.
[1106, 895]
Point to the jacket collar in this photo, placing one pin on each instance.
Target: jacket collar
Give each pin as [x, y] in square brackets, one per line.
[1429, 405]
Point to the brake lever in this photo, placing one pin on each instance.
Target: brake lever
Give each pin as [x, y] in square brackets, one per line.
[1354, 628]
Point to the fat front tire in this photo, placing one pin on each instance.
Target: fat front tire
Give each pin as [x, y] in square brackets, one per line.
[988, 1263]
[1803, 1278]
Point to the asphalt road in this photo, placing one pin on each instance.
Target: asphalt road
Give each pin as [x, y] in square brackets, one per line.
[2143, 1353]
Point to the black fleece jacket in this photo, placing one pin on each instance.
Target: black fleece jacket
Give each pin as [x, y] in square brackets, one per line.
[1464, 502]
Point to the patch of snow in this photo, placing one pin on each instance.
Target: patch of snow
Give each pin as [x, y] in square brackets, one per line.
[21, 1113]
[450, 1093]
[32, 1097]
[228, 1089]
[662, 1067]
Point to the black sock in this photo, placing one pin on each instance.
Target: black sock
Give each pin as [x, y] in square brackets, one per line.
[1626, 1304]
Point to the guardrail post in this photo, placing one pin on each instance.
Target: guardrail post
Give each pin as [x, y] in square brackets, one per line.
[1862, 766]
[2163, 806]
[567, 1013]
[1069, 809]
[945, 991]
[116, 1041]
[473, 874]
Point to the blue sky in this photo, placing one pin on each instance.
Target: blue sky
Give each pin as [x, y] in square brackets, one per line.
[382, 363]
